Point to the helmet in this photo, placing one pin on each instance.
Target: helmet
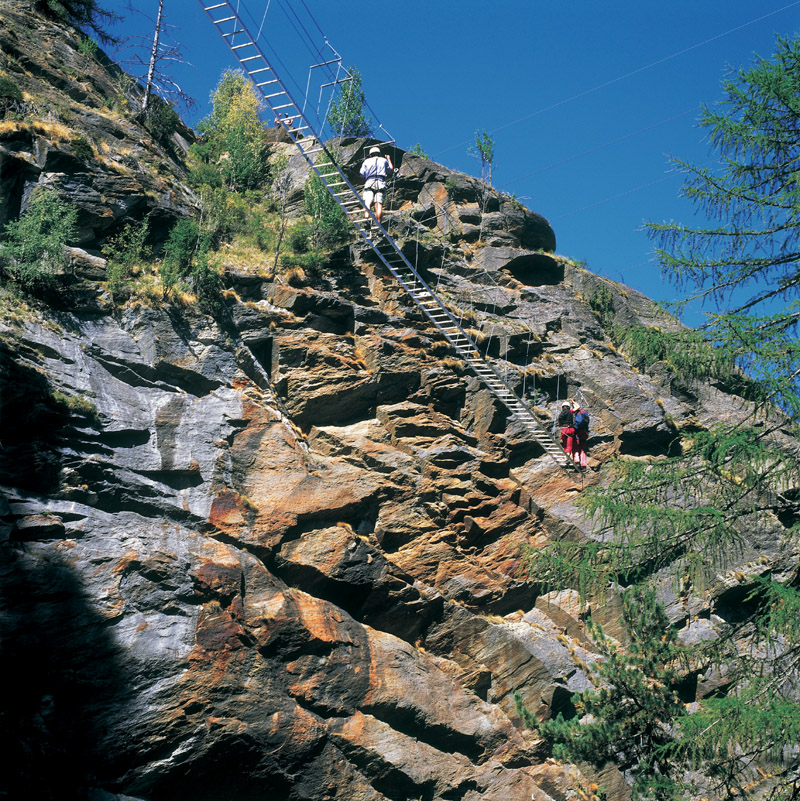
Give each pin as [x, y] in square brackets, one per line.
[375, 151]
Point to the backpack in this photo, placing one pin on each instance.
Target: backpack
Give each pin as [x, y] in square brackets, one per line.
[581, 420]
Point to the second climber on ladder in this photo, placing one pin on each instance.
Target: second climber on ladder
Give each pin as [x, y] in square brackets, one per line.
[375, 170]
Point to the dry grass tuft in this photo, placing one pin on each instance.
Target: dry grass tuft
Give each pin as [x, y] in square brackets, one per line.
[242, 257]
[56, 131]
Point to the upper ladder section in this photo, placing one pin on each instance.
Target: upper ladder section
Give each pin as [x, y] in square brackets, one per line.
[228, 18]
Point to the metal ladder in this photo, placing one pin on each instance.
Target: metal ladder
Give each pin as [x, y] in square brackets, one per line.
[228, 22]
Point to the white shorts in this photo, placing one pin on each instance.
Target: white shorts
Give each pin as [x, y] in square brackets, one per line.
[374, 190]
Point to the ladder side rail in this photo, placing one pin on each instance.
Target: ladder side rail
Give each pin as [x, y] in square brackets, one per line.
[442, 308]
[493, 282]
[276, 79]
[514, 404]
[425, 286]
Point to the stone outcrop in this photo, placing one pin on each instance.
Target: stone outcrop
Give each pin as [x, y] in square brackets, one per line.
[277, 553]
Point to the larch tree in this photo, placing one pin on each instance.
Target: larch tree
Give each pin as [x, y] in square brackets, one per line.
[483, 150]
[692, 511]
[347, 115]
[80, 13]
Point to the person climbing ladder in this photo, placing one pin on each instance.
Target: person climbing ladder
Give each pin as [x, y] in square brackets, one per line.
[580, 419]
[375, 169]
[566, 424]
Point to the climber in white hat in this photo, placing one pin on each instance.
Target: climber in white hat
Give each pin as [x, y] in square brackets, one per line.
[375, 169]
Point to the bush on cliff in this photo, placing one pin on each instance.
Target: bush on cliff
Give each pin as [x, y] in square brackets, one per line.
[32, 247]
[186, 260]
[329, 225]
[161, 119]
[124, 253]
[233, 135]
[10, 95]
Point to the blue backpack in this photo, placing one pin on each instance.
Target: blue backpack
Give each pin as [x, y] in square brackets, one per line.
[581, 420]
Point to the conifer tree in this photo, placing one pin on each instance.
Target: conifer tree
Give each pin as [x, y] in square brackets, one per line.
[346, 116]
[80, 13]
[691, 510]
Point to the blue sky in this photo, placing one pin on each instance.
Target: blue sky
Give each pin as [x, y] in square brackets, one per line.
[585, 100]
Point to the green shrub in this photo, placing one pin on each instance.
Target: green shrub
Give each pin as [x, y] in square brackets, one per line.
[88, 47]
[33, 246]
[123, 251]
[330, 226]
[9, 89]
[245, 165]
[186, 260]
[179, 250]
[601, 302]
[299, 235]
[82, 149]
[346, 116]
[204, 174]
[205, 279]
[418, 151]
[223, 213]
[258, 230]
[234, 134]
[161, 119]
[77, 406]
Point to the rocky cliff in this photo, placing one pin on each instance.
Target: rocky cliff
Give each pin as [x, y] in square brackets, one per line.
[275, 553]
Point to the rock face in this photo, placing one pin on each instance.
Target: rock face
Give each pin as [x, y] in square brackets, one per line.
[276, 554]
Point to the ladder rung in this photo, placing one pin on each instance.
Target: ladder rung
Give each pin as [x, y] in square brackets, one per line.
[274, 94]
[218, 5]
[249, 58]
[285, 105]
[233, 33]
[246, 44]
[224, 19]
[261, 69]
[268, 83]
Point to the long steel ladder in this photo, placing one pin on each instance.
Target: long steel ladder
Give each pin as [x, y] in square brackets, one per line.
[230, 25]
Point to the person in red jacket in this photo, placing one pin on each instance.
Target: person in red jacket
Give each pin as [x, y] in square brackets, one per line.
[566, 423]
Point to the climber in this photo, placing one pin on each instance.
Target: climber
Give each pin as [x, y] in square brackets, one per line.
[283, 120]
[580, 419]
[374, 171]
[566, 424]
